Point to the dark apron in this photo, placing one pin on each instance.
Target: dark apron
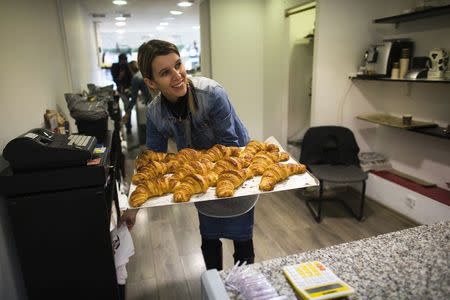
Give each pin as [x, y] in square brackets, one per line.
[232, 218]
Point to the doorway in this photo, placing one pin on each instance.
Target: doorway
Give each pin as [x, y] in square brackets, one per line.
[301, 45]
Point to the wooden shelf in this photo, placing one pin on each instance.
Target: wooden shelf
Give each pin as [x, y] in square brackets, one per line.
[416, 15]
[422, 80]
[416, 126]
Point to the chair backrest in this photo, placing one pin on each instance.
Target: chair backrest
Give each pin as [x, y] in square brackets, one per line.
[333, 145]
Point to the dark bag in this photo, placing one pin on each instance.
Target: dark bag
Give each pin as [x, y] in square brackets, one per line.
[87, 107]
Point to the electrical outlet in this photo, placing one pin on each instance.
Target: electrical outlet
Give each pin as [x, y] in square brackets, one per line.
[410, 202]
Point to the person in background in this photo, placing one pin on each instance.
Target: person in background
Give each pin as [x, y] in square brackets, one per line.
[197, 113]
[121, 75]
[137, 84]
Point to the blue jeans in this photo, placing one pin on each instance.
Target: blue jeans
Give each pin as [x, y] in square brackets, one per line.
[238, 228]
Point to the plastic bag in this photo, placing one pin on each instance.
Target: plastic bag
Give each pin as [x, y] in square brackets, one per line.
[82, 109]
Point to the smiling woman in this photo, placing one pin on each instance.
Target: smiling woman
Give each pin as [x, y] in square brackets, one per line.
[197, 114]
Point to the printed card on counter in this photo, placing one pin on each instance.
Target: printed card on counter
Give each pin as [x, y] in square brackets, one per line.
[249, 187]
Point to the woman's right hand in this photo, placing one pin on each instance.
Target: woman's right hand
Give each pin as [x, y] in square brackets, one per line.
[129, 217]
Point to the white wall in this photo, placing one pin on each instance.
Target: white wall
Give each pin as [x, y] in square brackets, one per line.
[237, 57]
[337, 100]
[48, 50]
[300, 72]
[81, 45]
[341, 36]
[33, 74]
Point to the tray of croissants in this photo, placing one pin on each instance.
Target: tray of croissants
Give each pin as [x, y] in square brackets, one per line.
[217, 173]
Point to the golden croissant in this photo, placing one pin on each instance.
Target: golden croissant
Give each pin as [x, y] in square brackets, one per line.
[190, 185]
[188, 168]
[229, 181]
[262, 160]
[228, 163]
[254, 147]
[138, 196]
[151, 188]
[277, 173]
[215, 153]
[148, 156]
[151, 170]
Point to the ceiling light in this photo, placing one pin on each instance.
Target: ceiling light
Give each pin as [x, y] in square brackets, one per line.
[120, 18]
[184, 4]
[120, 24]
[163, 24]
[119, 2]
[176, 12]
[160, 28]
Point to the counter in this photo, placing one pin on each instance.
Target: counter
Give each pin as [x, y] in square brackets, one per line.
[407, 264]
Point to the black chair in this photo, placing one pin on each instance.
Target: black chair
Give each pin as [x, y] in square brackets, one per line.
[331, 154]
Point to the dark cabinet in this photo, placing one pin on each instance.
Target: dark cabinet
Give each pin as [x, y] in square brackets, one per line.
[60, 221]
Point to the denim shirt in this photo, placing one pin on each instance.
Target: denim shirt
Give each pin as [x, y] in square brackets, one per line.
[214, 122]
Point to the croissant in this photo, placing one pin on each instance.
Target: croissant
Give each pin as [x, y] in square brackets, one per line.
[138, 178]
[228, 181]
[278, 172]
[254, 147]
[138, 196]
[187, 154]
[228, 163]
[148, 156]
[151, 188]
[190, 185]
[192, 167]
[151, 170]
[264, 159]
[154, 156]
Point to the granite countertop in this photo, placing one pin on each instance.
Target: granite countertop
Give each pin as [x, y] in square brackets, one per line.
[408, 264]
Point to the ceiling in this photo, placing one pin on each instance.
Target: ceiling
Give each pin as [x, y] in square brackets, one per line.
[145, 17]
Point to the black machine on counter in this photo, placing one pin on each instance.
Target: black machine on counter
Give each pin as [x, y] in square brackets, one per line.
[379, 58]
[42, 149]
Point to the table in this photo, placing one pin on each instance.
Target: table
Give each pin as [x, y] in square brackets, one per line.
[408, 264]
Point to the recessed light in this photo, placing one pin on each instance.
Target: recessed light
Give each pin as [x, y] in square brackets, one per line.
[163, 23]
[119, 2]
[184, 4]
[120, 24]
[120, 18]
[176, 12]
[160, 28]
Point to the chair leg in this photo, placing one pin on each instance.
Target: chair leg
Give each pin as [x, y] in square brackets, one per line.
[319, 208]
[363, 197]
[317, 214]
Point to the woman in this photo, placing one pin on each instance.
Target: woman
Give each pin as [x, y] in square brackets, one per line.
[197, 113]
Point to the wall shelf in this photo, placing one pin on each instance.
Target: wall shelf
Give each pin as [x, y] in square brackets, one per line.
[422, 80]
[415, 15]
[416, 126]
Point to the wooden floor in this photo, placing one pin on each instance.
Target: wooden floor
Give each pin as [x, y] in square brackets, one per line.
[168, 261]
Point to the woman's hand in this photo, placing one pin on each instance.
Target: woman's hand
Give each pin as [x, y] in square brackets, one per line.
[129, 218]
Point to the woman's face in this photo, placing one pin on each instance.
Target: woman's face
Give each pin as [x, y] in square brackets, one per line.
[169, 76]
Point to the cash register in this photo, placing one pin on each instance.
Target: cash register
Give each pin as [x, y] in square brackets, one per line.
[40, 149]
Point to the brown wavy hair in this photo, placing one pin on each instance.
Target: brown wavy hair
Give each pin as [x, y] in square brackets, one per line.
[148, 51]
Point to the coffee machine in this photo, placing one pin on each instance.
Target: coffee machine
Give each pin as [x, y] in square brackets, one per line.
[379, 58]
